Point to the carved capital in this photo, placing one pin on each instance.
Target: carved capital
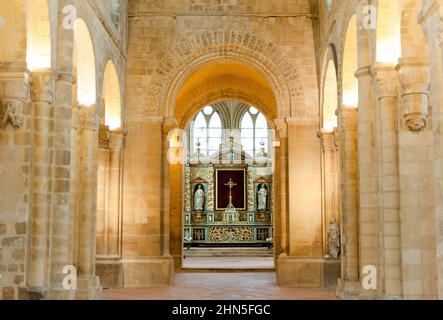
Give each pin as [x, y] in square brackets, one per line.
[103, 137]
[415, 82]
[386, 80]
[116, 139]
[88, 117]
[11, 112]
[327, 140]
[349, 119]
[282, 127]
[42, 86]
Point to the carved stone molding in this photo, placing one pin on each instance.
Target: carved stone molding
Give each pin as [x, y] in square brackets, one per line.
[386, 80]
[42, 86]
[251, 197]
[415, 82]
[103, 137]
[282, 127]
[89, 118]
[11, 112]
[327, 141]
[187, 188]
[116, 139]
[14, 91]
[211, 188]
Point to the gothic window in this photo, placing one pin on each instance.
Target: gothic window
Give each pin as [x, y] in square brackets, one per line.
[329, 3]
[206, 132]
[254, 132]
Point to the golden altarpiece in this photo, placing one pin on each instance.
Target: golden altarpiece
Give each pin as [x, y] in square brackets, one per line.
[228, 196]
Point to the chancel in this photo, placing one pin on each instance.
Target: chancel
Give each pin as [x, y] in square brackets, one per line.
[221, 149]
[222, 157]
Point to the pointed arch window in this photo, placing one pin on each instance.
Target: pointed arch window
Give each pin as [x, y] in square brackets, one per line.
[254, 132]
[206, 132]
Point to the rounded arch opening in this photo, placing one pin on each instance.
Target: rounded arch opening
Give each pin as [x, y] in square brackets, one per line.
[111, 97]
[349, 96]
[330, 98]
[84, 64]
[388, 31]
[38, 53]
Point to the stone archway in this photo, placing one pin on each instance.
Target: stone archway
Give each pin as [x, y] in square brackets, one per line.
[276, 72]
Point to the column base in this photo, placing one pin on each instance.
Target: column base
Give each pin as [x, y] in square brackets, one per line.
[88, 288]
[348, 290]
[148, 272]
[110, 272]
[300, 272]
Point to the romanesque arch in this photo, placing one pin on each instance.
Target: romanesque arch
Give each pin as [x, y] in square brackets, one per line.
[241, 47]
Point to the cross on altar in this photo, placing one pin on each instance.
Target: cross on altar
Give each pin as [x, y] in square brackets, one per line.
[231, 184]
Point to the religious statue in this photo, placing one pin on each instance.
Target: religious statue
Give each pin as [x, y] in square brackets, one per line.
[262, 198]
[333, 239]
[199, 198]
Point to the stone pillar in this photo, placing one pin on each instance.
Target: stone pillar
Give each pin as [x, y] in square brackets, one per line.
[349, 284]
[15, 135]
[62, 244]
[303, 263]
[42, 92]
[329, 149]
[386, 80]
[144, 259]
[87, 212]
[109, 266]
[281, 189]
[368, 150]
[430, 17]
[416, 170]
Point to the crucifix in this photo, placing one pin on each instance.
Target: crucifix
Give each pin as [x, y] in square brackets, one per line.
[231, 185]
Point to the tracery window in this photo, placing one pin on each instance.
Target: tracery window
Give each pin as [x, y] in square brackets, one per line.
[254, 132]
[206, 133]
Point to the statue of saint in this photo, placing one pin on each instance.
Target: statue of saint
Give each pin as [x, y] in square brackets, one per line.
[262, 198]
[333, 239]
[199, 198]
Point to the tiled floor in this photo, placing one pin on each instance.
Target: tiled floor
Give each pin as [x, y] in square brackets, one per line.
[221, 286]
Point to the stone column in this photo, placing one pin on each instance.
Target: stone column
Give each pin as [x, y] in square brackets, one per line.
[145, 261]
[281, 189]
[386, 79]
[431, 18]
[87, 213]
[329, 181]
[15, 135]
[303, 263]
[368, 150]
[62, 245]
[42, 92]
[109, 266]
[349, 284]
[417, 193]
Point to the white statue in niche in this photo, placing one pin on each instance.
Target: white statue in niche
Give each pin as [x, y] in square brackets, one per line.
[333, 239]
[262, 198]
[199, 198]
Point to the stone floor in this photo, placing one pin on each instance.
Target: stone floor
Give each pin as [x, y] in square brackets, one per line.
[221, 286]
[237, 263]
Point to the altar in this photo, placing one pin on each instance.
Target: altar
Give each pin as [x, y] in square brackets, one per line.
[228, 204]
